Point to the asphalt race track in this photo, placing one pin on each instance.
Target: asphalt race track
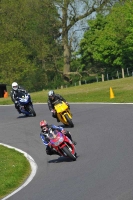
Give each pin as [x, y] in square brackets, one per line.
[104, 167]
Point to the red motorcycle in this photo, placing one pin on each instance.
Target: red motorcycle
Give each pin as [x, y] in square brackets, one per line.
[62, 144]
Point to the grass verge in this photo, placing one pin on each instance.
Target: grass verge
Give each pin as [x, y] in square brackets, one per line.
[14, 169]
[94, 92]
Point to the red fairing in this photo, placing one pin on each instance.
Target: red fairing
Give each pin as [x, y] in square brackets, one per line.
[59, 141]
[68, 141]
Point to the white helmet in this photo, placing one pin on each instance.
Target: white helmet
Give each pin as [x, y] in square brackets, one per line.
[51, 93]
[14, 86]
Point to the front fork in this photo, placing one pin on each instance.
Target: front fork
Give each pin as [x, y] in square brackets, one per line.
[65, 144]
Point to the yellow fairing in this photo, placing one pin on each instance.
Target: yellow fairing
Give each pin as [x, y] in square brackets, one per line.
[61, 107]
[63, 111]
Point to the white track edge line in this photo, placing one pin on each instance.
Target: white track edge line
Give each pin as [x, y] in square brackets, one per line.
[33, 170]
[106, 103]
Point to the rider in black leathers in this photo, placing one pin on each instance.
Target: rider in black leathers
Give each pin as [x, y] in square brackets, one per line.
[14, 94]
[52, 97]
[45, 128]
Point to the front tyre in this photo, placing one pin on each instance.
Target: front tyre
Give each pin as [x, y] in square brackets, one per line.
[69, 121]
[67, 151]
[31, 110]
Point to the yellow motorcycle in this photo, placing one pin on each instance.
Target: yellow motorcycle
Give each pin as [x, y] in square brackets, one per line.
[63, 113]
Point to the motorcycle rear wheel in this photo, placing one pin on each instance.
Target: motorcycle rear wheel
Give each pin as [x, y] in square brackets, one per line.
[69, 121]
[67, 151]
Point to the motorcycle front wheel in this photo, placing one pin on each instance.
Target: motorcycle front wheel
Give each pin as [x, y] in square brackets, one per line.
[68, 153]
[69, 121]
[31, 110]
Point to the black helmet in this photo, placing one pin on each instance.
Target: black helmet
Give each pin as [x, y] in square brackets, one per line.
[51, 94]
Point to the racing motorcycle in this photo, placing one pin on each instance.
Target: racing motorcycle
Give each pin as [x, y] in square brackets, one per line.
[61, 144]
[25, 104]
[63, 113]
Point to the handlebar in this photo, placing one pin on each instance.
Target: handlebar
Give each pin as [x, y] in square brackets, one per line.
[57, 101]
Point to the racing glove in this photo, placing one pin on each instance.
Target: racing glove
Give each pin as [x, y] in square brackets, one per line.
[63, 131]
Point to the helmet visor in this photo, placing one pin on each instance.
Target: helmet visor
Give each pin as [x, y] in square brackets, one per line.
[51, 97]
[44, 128]
[15, 87]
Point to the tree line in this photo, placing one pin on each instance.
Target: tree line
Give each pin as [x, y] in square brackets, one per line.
[107, 47]
[39, 43]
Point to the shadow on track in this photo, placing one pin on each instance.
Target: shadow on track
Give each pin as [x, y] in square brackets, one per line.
[61, 159]
[24, 116]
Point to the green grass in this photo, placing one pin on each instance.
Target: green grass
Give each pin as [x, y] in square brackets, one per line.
[94, 92]
[14, 169]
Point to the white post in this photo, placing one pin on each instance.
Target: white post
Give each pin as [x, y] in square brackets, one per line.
[127, 72]
[117, 74]
[102, 78]
[79, 82]
[107, 77]
[123, 73]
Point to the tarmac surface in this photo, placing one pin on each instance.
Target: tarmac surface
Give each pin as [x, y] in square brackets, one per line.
[104, 167]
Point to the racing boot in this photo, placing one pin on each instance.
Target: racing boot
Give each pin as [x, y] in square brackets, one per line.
[55, 153]
[17, 107]
[51, 151]
[58, 120]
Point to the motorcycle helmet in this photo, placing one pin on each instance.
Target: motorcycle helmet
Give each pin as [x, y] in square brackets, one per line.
[14, 86]
[51, 94]
[44, 125]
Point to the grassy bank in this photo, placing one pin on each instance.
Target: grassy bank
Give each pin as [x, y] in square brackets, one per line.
[94, 92]
[14, 169]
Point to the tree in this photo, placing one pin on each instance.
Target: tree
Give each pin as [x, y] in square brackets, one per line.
[111, 43]
[40, 30]
[88, 45]
[70, 13]
[14, 65]
[27, 33]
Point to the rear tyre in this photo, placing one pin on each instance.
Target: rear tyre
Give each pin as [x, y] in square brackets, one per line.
[31, 110]
[67, 151]
[69, 121]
